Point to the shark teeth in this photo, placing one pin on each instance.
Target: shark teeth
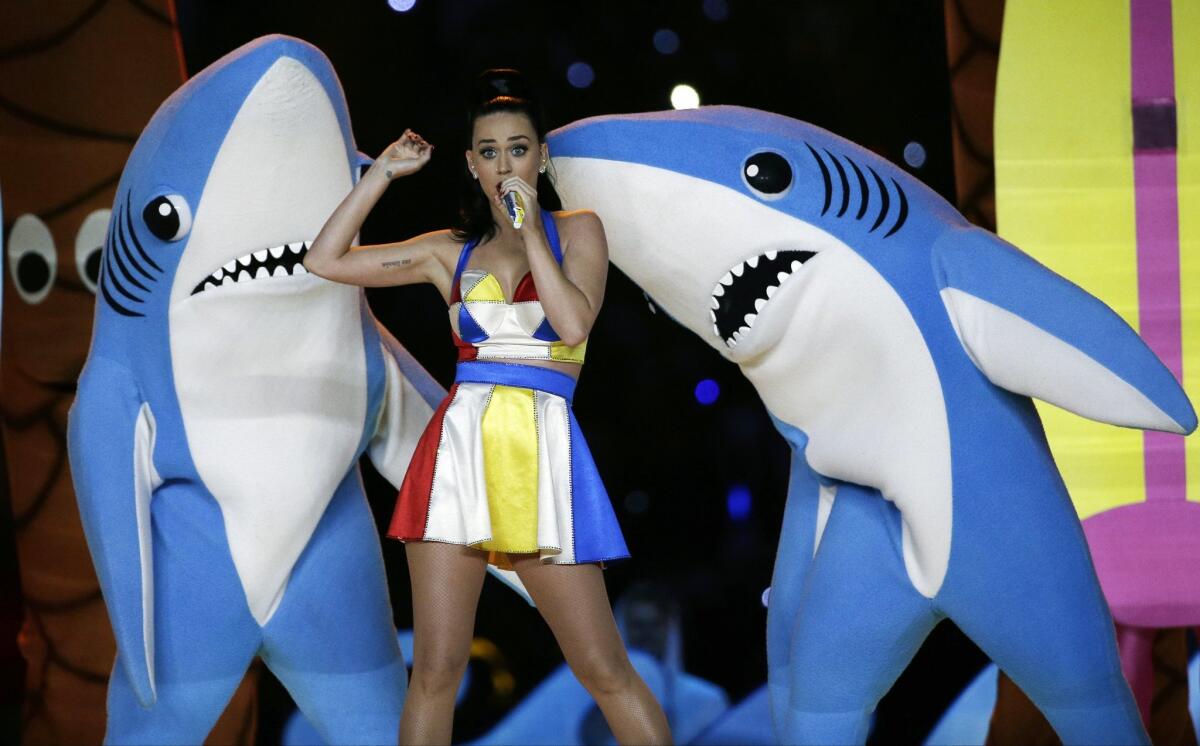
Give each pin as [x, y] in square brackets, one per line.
[285, 260]
[741, 296]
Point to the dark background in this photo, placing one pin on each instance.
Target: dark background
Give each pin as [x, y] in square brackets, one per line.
[873, 71]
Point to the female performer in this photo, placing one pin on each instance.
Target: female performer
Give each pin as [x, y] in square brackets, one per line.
[502, 474]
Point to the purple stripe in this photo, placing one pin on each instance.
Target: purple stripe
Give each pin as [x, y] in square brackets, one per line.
[1153, 73]
[1156, 202]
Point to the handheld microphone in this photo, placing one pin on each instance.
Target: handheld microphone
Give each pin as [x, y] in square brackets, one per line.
[516, 208]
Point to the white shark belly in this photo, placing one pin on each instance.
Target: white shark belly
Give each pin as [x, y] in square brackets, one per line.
[852, 371]
[273, 393]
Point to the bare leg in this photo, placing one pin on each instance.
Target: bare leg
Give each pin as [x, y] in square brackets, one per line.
[446, 580]
[573, 602]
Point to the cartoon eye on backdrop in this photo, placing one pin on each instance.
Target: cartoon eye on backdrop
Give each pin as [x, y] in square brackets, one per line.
[768, 174]
[89, 247]
[32, 261]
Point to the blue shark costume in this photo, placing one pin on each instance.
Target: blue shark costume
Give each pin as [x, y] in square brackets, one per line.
[225, 402]
[896, 348]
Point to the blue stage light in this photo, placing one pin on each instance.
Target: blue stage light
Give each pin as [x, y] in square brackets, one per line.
[401, 6]
[707, 391]
[737, 502]
[580, 74]
[914, 154]
[666, 41]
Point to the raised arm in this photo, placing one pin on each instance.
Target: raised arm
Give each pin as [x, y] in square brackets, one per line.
[415, 260]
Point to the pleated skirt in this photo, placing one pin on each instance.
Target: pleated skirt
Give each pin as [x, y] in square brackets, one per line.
[503, 467]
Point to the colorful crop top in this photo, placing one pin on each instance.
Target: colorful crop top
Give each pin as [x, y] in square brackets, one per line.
[487, 326]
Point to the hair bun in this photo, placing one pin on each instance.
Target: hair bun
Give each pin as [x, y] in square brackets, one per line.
[500, 82]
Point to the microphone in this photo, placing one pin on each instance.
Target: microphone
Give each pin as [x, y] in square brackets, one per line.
[516, 208]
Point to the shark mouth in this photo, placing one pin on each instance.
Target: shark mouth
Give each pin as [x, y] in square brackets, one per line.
[277, 261]
[747, 288]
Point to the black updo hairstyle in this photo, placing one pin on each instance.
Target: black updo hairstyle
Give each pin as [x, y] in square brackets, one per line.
[496, 90]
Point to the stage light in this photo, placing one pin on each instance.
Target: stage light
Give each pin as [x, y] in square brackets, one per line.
[637, 501]
[401, 6]
[683, 96]
[666, 41]
[766, 597]
[707, 391]
[737, 502]
[914, 154]
[580, 74]
[716, 10]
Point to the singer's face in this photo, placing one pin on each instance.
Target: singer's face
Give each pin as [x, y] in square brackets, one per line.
[504, 144]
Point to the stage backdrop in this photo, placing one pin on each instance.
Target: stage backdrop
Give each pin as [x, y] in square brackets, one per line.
[78, 81]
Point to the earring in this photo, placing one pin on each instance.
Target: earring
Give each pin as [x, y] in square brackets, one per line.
[474, 175]
[542, 170]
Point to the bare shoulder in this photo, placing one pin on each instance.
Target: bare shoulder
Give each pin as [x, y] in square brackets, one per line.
[580, 227]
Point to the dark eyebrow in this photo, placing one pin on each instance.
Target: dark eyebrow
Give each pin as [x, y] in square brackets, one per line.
[514, 137]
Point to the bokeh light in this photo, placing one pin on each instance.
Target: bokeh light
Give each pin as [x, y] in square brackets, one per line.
[580, 74]
[914, 154]
[683, 96]
[666, 41]
[707, 391]
[738, 501]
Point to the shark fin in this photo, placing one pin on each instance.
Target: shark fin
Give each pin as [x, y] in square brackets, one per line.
[1033, 332]
[513, 581]
[403, 416]
[111, 446]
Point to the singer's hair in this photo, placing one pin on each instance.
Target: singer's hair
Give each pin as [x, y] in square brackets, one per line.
[496, 90]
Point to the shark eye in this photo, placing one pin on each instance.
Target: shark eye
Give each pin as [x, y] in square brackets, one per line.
[89, 243]
[768, 174]
[168, 217]
[32, 260]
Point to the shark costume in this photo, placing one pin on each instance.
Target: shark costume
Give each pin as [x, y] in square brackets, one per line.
[223, 407]
[897, 349]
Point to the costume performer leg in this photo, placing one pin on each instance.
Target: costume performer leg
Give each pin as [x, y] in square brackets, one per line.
[198, 605]
[332, 641]
[858, 623]
[1027, 594]
[792, 561]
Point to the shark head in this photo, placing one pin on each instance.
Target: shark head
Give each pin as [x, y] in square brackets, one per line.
[724, 215]
[228, 184]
